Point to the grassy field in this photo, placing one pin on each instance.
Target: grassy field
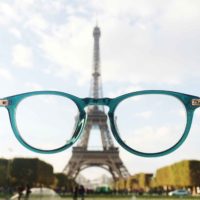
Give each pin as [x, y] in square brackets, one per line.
[118, 198]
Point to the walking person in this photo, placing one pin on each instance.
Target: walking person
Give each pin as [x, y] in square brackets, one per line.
[82, 192]
[20, 192]
[75, 193]
[28, 191]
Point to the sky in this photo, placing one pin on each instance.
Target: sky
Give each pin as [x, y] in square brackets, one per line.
[145, 44]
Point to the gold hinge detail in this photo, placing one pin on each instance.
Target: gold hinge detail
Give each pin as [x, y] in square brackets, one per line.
[3, 102]
[196, 102]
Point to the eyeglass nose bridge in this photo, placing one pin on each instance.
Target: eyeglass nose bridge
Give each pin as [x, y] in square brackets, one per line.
[97, 102]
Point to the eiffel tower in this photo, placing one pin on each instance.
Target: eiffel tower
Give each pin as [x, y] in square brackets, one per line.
[107, 158]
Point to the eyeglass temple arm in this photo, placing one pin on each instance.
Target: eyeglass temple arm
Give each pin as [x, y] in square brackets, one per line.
[4, 102]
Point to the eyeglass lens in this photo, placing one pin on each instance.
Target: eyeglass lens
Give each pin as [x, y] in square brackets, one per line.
[46, 122]
[151, 123]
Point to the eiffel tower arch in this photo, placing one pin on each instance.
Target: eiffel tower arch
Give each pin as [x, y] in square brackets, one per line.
[108, 158]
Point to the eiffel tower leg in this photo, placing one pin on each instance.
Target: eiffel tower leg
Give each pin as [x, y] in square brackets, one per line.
[105, 136]
[113, 175]
[85, 137]
[73, 167]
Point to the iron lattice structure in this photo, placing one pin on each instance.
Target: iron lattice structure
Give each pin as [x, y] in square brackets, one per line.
[107, 158]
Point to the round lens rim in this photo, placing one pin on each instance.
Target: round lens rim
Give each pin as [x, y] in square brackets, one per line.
[15, 101]
[184, 98]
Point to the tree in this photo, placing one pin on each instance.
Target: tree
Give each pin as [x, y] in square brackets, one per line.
[182, 174]
[32, 171]
[64, 182]
[4, 172]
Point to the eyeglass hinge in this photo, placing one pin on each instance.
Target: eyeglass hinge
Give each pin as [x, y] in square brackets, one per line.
[4, 102]
[196, 102]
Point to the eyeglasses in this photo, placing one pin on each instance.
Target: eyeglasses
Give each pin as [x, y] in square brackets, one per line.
[146, 123]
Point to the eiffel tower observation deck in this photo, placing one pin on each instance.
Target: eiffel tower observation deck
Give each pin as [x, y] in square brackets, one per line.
[108, 158]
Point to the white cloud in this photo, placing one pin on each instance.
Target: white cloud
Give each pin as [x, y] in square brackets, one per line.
[69, 48]
[145, 114]
[125, 90]
[22, 56]
[16, 32]
[4, 73]
[7, 13]
[37, 23]
[25, 3]
[150, 139]
[33, 86]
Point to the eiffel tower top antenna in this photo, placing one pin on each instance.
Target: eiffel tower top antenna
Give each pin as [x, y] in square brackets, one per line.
[96, 19]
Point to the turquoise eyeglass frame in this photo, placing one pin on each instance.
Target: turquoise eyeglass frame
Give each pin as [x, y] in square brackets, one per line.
[190, 103]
